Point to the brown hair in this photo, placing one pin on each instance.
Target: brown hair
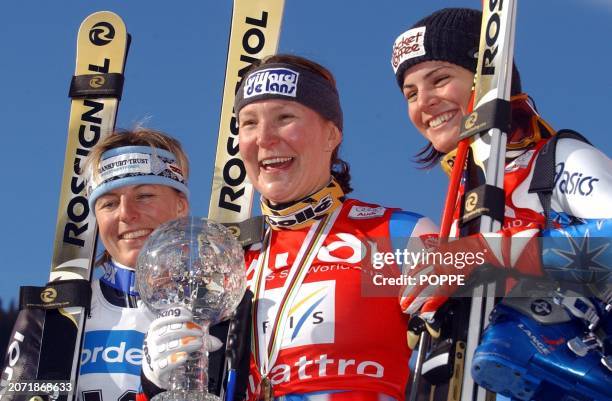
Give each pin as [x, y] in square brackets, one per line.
[340, 169]
[136, 137]
[428, 157]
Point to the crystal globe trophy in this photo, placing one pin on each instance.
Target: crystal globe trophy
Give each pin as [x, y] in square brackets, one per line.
[196, 264]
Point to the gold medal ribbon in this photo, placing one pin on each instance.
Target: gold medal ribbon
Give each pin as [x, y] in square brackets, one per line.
[266, 353]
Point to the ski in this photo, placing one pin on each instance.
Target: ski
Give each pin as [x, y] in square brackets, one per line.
[96, 86]
[487, 127]
[254, 34]
[480, 161]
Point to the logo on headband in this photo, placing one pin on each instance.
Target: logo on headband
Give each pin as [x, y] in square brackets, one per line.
[135, 164]
[408, 45]
[276, 81]
[130, 163]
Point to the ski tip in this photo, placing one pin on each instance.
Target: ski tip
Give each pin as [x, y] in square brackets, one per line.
[103, 26]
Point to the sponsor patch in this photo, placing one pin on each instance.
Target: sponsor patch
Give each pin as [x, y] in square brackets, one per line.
[409, 44]
[277, 81]
[131, 163]
[303, 215]
[117, 351]
[303, 369]
[311, 318]
[365, 212]
[573, 182]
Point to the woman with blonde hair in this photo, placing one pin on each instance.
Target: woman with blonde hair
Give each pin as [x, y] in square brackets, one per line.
[137, 181]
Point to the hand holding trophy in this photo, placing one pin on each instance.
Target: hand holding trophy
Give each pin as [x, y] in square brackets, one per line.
[196, 264]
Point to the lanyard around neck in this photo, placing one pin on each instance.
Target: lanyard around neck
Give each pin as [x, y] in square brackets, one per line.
[267, 353]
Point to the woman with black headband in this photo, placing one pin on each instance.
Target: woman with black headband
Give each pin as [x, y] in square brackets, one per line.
[318, 334]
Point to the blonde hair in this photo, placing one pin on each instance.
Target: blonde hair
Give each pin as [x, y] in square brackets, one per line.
[138, 137]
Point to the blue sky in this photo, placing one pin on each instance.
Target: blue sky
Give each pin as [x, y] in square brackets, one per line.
[174, 80]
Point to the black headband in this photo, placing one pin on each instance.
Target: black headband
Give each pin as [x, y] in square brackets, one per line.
[290, 82]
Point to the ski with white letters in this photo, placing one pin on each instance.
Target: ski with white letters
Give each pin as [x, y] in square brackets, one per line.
[487, 128]
[96, 88]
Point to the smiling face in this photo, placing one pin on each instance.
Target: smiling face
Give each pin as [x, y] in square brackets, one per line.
[286, 148]
[127, 215]
[438, 94]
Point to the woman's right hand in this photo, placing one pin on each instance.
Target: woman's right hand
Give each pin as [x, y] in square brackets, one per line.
[168, 343]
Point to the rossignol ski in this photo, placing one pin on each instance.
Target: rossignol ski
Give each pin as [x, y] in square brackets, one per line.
[52, 319]
[487, 127]
[254, 34]
[480, 161]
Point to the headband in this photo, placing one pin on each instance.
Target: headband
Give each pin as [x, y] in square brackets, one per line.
[290, 82]
[135, 165]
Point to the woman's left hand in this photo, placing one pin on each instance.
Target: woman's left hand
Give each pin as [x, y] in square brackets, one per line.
[430, 285]
[168, 343]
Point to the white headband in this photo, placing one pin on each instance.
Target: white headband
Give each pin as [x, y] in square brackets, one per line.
[135, 165]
